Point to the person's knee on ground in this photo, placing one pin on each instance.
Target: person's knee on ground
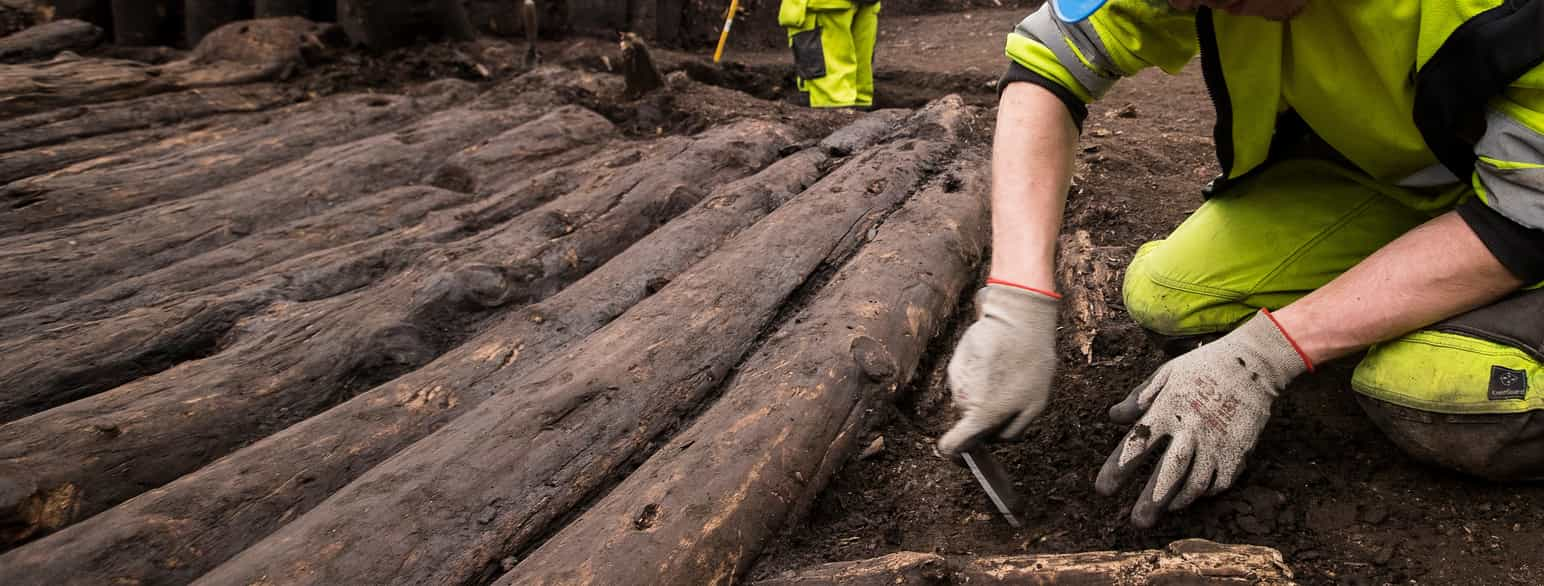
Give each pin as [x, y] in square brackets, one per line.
[1466, 393]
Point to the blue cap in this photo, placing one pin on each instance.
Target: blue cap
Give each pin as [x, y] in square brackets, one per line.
[1075, 10]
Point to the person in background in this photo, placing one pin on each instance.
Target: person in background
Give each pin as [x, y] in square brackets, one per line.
[833, 49]
[1382, 189]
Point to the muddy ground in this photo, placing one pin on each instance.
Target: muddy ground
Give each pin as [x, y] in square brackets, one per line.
[1324, 487]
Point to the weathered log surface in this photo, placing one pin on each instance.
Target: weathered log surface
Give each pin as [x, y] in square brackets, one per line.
[1190, 561]
[408, 306]
[47, 40]
[46, 267]
[239, 53]
[1084, 272]
[493, 481]
[143, 325]
[699, 510]
[195, 163]
[182, 530]
[71, 124]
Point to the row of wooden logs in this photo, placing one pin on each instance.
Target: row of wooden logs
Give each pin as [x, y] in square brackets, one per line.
[361, 258]
[457, 334]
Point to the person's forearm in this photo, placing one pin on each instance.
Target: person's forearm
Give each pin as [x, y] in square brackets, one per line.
[1434, 272]
[1031, 169]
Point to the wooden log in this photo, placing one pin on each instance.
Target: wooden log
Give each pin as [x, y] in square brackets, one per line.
[77, 348]
[155, 236]
[70, 80]
[140, 22]
[101, 340]
[72, 124]
[47, 40]
[549, 441]
[199, 164]
[1085, 272]
[148, 142]
[184, 529]
[900, 568]
[255, 51]
[309, 355]
[36, 161]
[701, 509]
[1189, 561]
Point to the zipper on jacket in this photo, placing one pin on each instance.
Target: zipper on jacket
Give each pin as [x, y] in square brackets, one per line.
[1217, 88]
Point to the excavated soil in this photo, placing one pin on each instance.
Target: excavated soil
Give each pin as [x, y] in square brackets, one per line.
[1324, 486]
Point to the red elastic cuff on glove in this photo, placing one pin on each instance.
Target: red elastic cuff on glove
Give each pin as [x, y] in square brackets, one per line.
[1018, 286]
[1284, 334]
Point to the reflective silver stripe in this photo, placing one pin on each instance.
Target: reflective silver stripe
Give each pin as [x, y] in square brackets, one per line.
[1517, 193]
[1060, 37]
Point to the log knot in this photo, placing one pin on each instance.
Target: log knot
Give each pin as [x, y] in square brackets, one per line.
[26, 508]
[874, 359]
[646, 518]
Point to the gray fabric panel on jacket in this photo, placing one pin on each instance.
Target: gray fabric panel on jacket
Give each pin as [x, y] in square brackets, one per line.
[1517, 193]
[1061, 37]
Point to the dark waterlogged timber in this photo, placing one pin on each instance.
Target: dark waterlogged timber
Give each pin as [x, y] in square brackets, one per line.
[295, 359]
[496, 479]
[701, 509]
[178, 532]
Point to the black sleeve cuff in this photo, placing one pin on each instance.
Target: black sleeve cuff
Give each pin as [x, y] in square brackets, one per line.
[1017, 73]
[1519, 248]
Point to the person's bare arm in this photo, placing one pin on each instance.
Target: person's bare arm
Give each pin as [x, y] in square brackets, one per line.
[1000, 373]
[1434, 272]
[1032, 156]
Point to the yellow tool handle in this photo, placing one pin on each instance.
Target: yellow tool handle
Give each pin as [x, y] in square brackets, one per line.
[723, 37]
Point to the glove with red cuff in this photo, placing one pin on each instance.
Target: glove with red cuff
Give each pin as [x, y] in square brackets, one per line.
[1211, 403]
[1000, 374]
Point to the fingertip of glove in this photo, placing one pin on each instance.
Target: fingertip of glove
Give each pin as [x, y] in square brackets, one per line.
[1124, 412]
[1143, 517]
[1109, 480]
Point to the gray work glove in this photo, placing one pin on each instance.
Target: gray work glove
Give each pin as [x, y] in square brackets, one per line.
[1000, 375]
[1211, 403]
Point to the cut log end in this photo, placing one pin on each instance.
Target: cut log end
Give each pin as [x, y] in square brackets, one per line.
[638, 67]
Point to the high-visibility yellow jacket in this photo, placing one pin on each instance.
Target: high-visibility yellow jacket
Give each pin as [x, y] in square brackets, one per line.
[1412, 92]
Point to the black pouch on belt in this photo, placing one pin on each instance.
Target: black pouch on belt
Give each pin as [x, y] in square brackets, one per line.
[809, 55]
